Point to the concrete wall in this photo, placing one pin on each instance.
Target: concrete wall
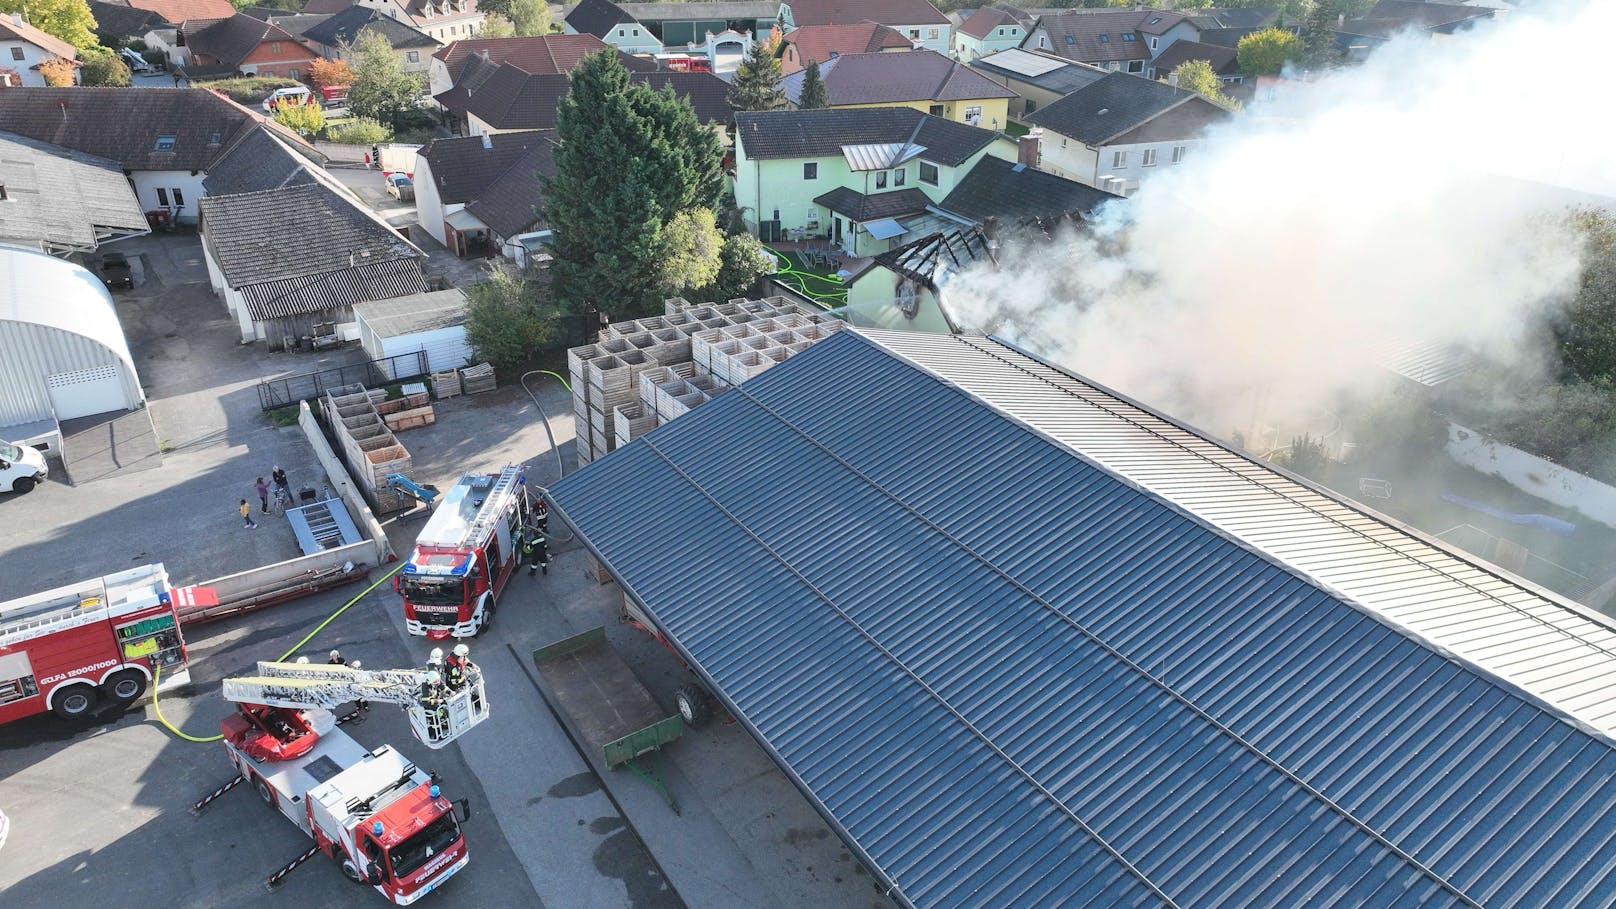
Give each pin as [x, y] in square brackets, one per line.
[342, 484]
[1532, 474]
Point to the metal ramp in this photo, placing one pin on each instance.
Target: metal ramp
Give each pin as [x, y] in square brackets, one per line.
[322, 525]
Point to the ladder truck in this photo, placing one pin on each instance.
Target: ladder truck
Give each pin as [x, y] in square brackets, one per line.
[380, 818]
[66, 650]
[465, 555]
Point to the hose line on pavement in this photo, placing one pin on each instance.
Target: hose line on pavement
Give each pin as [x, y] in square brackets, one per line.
[157, 671]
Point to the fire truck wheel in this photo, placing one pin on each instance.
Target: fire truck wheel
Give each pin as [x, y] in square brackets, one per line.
[351, 872]
[124, 687]
[264, 791]
[75, 701]
[693, 704]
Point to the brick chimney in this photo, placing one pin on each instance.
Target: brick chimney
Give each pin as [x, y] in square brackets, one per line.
[1027, 148]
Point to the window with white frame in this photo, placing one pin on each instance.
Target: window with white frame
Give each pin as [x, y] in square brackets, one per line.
[928, 173]
[973, 113]
[1119, 159]
[1178, 154]
[931, 34]
[1115, 65]
[1149, 158]
[413, 56]
[880, 179]
[16, 53]
[1153, 43]
[813, 219]
[900, 176]
[810, 170]
[1136, 66]
[914, 34]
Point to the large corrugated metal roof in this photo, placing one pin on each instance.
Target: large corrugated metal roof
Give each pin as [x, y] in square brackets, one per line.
[1557, 651]
[1010, 675]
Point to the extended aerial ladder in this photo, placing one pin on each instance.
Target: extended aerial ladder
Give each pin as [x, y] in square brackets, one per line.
[439, 713]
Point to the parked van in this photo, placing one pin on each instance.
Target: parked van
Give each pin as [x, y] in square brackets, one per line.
[21, 468]
[298, 94]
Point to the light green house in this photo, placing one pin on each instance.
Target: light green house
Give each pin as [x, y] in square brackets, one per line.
[865, 180]
[990, 30]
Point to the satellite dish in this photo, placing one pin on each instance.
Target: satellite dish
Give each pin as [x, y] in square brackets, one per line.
[908, 298]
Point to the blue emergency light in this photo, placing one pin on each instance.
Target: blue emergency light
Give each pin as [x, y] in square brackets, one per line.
[434, 791]
[376, 828]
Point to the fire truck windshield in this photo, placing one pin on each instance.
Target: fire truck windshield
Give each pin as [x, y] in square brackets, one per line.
[420, 848]
[426, 591]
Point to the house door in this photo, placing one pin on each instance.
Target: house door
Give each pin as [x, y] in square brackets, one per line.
[836, 232]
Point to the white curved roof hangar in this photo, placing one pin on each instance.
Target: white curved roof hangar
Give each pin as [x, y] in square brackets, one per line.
[59, 336]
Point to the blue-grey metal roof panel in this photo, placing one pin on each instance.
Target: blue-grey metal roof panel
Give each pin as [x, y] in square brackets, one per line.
[1011, 677]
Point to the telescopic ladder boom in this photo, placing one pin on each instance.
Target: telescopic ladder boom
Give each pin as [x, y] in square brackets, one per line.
[438, 714]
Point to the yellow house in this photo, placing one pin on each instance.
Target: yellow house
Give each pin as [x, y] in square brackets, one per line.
[922, 80]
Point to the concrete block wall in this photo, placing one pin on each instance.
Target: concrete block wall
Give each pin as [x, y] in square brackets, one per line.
[643, 372]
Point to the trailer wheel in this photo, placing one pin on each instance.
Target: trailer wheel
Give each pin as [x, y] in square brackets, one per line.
[22, 485]
[75, 701]
[264, 792]
[694, 705]
[124, 687]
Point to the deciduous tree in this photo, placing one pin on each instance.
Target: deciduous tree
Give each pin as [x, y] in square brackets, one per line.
[303, 119]
[326, 73]
[70, 20]
[381, 89]
[507, 319]
[57, 73]
[529, 17]
[814, 95]
[1265, 53]
[101, 67]
[757, 81]
[741, 262]
[630, 159]
[1197, 76]
[691, 248]
[1587, 333]
[1318, 38]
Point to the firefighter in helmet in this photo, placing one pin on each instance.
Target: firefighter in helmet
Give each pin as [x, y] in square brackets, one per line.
[536, 549]
[454, 668]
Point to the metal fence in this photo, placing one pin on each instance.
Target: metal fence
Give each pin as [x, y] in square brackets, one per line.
[282, 392]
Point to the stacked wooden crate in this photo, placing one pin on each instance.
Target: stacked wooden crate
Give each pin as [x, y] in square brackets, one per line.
[366, 445]
[644, 372]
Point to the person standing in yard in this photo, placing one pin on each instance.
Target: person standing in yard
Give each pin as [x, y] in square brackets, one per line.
[367, 160]
[278, 477]
[263, 494]
[246, 514]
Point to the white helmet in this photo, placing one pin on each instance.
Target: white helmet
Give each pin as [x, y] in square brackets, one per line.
[335, 654]
[302, 660]
[436, 656]
[354, 665]
[461, 650]
[432, 677]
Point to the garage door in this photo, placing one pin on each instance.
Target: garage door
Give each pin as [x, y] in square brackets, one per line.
[86, 392]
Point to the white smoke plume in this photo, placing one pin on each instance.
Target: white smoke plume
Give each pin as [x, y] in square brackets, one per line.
[1403, 198]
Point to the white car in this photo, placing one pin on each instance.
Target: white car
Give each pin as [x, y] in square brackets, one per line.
[298, 94]
[21, 467]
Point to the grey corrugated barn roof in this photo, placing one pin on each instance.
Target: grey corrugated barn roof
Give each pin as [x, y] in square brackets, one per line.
[1027, 643]
[62, 200]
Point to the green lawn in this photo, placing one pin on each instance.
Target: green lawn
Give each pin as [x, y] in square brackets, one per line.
[822, 286]
[1015, 130]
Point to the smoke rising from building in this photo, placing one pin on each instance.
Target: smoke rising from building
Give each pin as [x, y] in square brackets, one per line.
[1412, 197]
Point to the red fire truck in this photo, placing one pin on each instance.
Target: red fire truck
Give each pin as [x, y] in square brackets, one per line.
[384, 821]
[67, 650]
[464, 556]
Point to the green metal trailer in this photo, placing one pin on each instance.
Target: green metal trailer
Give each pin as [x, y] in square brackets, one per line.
[605, 704]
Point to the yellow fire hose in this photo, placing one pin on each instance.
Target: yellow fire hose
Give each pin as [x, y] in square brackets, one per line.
[157, 675]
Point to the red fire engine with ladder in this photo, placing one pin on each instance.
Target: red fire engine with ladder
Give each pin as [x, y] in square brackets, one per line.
[69, 649]
[384, 821]
[464, 556]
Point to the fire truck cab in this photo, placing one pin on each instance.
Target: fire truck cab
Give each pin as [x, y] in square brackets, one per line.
[464, 556]
[383, 820]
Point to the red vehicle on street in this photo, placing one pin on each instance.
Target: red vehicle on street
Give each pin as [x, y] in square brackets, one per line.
[464, 556]
[67, 650]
